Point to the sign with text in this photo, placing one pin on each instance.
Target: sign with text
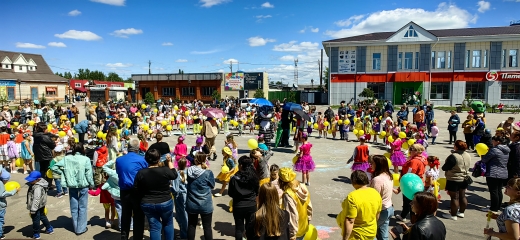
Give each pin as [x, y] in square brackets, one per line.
[234, 81]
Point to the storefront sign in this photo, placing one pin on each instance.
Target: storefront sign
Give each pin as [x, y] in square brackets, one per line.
[494, 76]
[234, 81]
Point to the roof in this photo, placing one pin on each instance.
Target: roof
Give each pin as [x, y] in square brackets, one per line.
[460, 32]
[42, 72]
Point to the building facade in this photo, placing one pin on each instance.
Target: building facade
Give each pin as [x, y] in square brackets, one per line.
[185, 87]
[27, 76]
[244, 84]
[443, 66]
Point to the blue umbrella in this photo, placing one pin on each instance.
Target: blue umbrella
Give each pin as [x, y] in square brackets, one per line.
[290, 106]
[261, 102]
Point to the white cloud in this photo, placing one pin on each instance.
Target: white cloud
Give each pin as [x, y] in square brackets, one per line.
[181, 60]
[57, 44]
[445, 16]
[124, 33]
[259, 41]
[28, 45]
[79, 35]
[211, 3]
[484, 6]
[263, 16]
[267, 5]
[231, 60]
[118, 65]
[294, 46]
[206, 52]
[111, 2]
[167, 44]
[74, 13]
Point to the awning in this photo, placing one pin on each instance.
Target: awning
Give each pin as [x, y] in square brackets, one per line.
[51, 89]
[80, 89]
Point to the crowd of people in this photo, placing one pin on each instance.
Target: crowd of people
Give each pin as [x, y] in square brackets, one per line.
[146, 178]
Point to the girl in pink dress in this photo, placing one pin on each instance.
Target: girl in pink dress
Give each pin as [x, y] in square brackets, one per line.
[305, 164]
[180, 151]
[396, 155]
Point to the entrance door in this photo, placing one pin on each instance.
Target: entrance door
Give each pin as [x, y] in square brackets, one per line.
[34, 93]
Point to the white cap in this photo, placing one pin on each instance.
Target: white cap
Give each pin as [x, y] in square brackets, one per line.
[58, 148]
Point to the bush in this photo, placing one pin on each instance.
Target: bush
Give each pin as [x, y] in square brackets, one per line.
[148, 98]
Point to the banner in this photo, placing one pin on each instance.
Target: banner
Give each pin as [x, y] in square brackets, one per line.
[234, 81]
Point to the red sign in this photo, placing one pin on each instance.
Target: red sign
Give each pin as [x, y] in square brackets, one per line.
[494, 76]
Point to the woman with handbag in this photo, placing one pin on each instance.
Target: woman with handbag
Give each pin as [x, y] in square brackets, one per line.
[458, 178]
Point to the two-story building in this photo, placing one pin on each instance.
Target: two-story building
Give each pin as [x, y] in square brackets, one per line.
[442, 66]
[27, 76]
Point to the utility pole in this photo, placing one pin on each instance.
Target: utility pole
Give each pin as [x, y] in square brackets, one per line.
[149, 67]
[296, 71]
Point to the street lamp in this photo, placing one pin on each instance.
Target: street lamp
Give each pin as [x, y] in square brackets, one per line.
[20, 90]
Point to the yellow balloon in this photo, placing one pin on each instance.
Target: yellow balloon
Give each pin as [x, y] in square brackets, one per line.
[312, 233]
[402, 135]
[19, 162]
[482, 149]
[383, 133]
[252, 143]
[390, 139]
[11, 185]
[355, 132]
[396, 179]
[62, 133]
[442, 183]
[169, 127]
[224, 169]
[48, 173]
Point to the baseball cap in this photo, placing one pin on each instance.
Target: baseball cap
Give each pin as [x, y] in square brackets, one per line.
[33, 176]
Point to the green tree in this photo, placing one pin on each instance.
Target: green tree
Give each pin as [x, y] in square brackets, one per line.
[215, 95]
[259, 93]
[148, 98]
[326, 79]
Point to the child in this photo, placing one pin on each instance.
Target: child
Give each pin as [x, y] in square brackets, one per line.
[435, 131]
[12, 153]
[230, 142]
[360, 156]
[59, 154]
[3, 203]
[305, 164]
[36, 201]
[396, 155]
[180, 151]
[179, 193]
[231, 163]
[27, 153]
[432, 175]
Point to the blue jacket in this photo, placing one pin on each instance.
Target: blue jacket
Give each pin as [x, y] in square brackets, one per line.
[127, 167]
[496, 161]
[200, 184]
[455, 121]
[81, 127]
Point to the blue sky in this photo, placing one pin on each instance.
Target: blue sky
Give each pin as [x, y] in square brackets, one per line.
[205, 35]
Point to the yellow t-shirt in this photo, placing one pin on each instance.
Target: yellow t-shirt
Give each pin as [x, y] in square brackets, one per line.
[362, 205]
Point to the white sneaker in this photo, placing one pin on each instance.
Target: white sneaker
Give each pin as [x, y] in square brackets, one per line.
[217, 195]
[461, 215]
[448, 216]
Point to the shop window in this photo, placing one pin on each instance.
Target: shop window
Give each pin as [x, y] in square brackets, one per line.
[475, 63]
[50, 91]
[513, 58]
[208, 91]
[408, 60]
[376, 61]
[168, 91]
[378, 88]
[476, 90]
[441, 59]
[510, 90]
[188, 91]
[440, 91]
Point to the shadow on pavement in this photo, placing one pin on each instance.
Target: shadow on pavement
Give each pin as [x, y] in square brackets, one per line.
[225, 229]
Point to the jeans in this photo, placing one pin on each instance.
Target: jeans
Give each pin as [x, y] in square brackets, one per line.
[453, 135]
[240, 215]
[78, 198]
[206, 224]
[38, 216]
[2, 219]
[383, 222]
[59, 188]
[160, 217]
[495, 192]
[131, 206]
[180, 215]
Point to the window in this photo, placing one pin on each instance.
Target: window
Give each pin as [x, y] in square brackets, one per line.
[485, 60]
[50, 91]
[475, 63]
[476, 90]
[408, 59]
[188, 91]
[411, 32]
[208, 91]
[168, 91]
[510, 90]
[449, 59]
[440, 91]
[503, 58]
[513, 58]
[467, 59]
[441, 59]
[400, 61]
[376, 61]
[416, 60]
[433, 59]
[77, 84]
[378, 88]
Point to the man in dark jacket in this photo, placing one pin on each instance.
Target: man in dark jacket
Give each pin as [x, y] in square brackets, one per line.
[42, 148]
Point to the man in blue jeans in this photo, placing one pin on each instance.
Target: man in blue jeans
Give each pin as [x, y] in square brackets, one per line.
[127, 167]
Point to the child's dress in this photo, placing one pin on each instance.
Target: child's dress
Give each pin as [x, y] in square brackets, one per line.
[225, 177]
[305, 162]
[397, 157]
